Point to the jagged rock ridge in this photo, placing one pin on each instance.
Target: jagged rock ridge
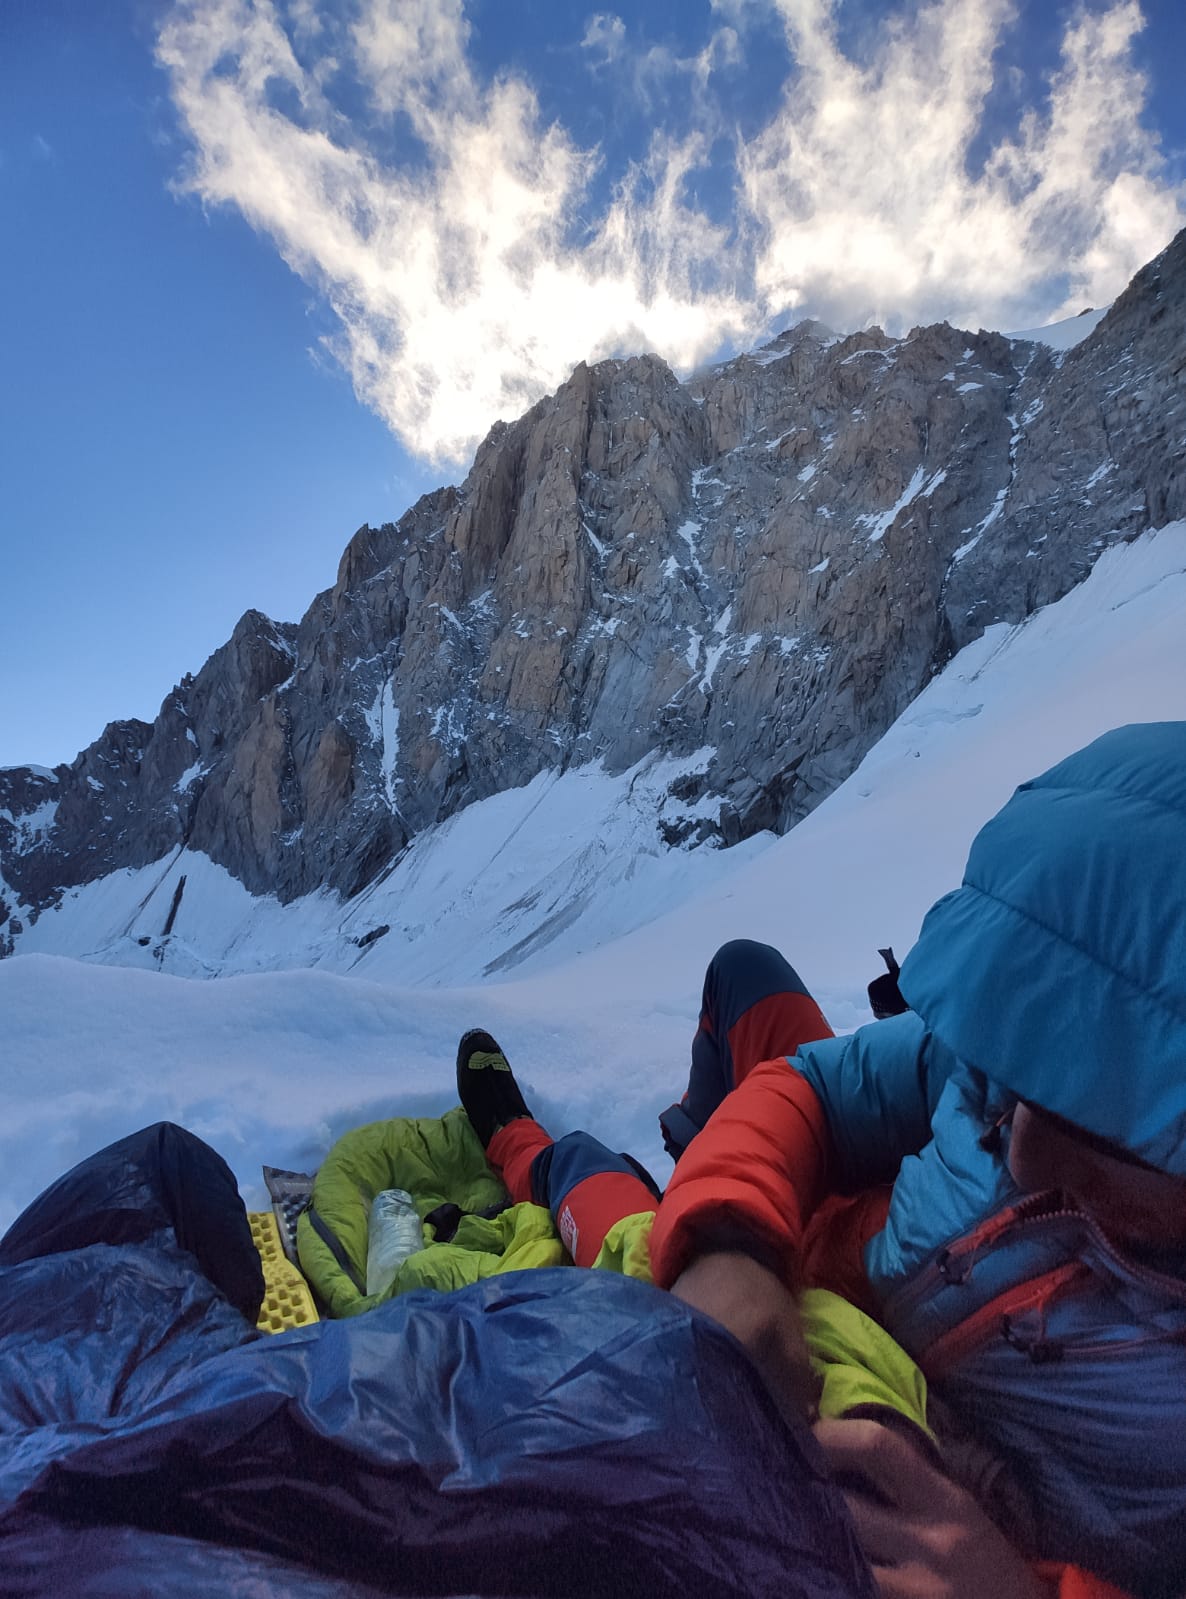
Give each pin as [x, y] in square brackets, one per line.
[770, 559]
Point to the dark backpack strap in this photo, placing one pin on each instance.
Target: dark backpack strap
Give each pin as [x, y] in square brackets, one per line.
[885, 997]
[444, 1221]
[678, 1130]
[447, 1218]
[332, 1242]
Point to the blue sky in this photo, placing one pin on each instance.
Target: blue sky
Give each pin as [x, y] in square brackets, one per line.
[269, 271]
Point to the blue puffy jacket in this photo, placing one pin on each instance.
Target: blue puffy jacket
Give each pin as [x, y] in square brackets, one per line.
[1056, 974]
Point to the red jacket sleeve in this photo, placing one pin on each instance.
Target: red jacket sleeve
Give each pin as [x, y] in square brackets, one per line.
[757, 1171]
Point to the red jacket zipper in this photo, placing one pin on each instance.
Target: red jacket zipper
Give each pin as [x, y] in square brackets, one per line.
[948, 1266]
[952, 1347]
[953, 1264]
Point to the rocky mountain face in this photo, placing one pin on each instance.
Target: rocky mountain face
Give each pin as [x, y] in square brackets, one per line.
[769, 561]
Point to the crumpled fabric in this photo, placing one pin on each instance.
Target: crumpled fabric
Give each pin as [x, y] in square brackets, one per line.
[547, 1433]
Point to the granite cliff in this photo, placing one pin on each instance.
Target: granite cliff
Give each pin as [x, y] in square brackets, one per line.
[768, 561]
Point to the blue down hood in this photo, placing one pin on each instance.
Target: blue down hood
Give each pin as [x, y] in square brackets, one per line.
[1058, 969]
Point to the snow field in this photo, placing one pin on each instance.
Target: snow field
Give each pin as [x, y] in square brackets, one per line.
[274, 1065]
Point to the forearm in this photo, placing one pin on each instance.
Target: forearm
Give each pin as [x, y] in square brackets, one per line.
[753, 1303]
[749, 1180]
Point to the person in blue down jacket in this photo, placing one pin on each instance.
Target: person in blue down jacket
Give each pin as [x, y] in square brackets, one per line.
[998, 1176]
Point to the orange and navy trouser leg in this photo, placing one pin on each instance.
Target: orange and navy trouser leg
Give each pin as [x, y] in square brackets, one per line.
[755, 1007]
[586, 1186]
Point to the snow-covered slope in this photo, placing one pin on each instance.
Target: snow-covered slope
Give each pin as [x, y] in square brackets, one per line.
[524, 879]
[273, 1066]
[1064, 335]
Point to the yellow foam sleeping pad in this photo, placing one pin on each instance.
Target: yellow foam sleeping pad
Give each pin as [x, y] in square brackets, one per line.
[287, 1300]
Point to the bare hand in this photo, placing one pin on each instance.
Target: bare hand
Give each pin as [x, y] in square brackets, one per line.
[925, 1537]
[760, 1311]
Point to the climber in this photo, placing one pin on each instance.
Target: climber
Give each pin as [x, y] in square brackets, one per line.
[998, 1175]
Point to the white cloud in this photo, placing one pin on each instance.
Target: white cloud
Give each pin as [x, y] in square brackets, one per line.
[605, 34]
[469, 277]
[304, 19]
[646, 75]
[861, 184]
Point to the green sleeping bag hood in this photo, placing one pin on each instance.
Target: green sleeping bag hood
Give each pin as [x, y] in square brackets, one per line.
[438, 1161]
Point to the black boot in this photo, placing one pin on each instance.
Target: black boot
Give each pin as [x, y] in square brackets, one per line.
[486, 1085]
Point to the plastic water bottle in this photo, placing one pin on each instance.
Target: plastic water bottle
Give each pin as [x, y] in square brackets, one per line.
[393, 1234]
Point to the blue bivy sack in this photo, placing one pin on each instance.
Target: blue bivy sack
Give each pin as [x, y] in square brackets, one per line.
[555, 1432]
